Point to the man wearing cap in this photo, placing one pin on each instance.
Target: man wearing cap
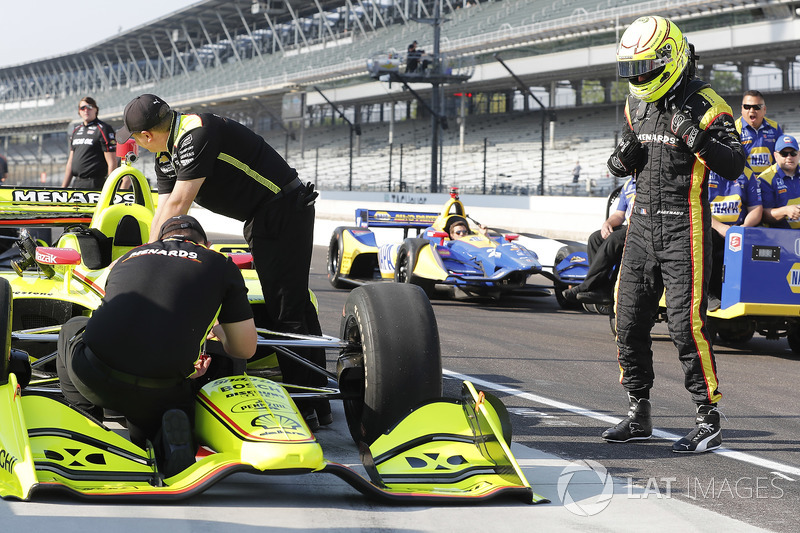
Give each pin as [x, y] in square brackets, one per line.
[140, 350]
[92, 150]
[230, 170]
[780, 186]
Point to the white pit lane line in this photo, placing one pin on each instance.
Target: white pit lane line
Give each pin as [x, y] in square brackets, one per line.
[773, 466]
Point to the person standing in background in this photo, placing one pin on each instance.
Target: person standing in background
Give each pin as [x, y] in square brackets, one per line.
[3, 169]
[757, 133]
[92, 154]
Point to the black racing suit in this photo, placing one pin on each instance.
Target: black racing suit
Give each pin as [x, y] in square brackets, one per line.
[668, 246]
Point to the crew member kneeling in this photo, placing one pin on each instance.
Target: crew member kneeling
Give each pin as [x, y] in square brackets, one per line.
[139, 352]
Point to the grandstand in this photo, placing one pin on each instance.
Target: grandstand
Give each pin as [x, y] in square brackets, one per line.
[240, 58]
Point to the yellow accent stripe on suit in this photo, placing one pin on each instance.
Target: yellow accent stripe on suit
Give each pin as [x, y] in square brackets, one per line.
[699, 172]
[249, 171]
[698, 266]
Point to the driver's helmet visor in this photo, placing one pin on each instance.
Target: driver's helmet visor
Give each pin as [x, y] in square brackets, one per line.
[638, 67]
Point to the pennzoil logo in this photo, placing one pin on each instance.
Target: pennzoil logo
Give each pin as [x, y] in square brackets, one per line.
[255, 406]
[7, 461]
[64, 196]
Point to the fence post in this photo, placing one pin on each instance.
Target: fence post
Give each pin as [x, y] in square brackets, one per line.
[484, 164]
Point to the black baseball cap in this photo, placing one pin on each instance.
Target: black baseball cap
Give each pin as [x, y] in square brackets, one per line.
[142, 113]
[180, 222]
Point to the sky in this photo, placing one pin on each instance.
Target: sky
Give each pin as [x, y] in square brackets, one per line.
[35, 29]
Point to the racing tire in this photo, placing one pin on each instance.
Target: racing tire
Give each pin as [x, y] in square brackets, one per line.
[406, 262]
[735, 331]
[793, 336]
[392, 337]
[560, 256]
[6, 317]
[604, 309]
[334, 261]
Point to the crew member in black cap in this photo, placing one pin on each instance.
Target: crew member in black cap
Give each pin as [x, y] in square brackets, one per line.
[139, 352]
[228, 169]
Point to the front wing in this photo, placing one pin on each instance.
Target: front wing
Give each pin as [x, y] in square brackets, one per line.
[445, 450]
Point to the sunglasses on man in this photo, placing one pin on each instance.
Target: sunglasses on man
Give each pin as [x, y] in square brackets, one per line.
[788, 153]
[748, 107]
[85, 107]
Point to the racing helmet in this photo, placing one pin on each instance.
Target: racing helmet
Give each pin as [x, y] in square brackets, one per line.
[652, 47]
[453, 220]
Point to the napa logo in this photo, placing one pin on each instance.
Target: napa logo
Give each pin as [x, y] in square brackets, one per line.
[793, 277]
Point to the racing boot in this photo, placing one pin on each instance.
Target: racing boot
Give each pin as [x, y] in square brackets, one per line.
[571, 294]
[707, 434]
[636, 426]
[323, 410]
[175, 449]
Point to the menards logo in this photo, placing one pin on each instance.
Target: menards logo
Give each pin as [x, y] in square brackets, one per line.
[64, 196]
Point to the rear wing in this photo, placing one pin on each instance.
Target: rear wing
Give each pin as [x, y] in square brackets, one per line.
[44, 206]
[366, 218]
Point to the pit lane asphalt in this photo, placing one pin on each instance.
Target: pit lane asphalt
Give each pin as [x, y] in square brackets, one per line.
[556, 372]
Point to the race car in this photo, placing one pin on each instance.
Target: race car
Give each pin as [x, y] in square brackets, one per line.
[760, 288]
[472, 265]
[414, 444]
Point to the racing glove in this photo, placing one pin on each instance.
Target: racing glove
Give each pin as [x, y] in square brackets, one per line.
[629, 157]
[685, 129]
[306, 196]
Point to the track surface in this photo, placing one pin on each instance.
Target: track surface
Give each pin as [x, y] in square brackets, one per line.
[556, 372]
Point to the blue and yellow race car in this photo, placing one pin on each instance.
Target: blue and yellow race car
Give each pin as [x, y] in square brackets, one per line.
[472, 265]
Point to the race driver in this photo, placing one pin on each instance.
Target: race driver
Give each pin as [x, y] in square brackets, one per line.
[139, 352]
[230, 170]
[677, 130]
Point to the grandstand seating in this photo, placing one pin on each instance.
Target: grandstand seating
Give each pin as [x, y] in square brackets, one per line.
[513, 154]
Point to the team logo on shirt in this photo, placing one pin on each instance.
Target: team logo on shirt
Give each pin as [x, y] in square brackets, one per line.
[161, 251]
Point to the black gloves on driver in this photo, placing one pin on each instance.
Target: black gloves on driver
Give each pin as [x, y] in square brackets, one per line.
[629, 157]
[685, 129]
